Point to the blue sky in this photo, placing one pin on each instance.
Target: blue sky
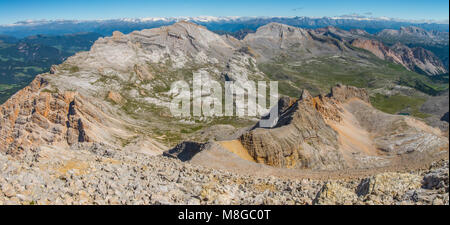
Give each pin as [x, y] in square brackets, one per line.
[17, 10]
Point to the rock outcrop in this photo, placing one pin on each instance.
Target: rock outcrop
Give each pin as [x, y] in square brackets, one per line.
[338, 131]
[35, 117]
[343, 93]
[413, 34]
[445, 117]
[300, 139]
[341, 130]
[420, 60]
[414, 59]
[274, 39]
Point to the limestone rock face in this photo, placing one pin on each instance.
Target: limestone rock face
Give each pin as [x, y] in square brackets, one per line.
[419, 57]
[40, 116]
[414, 33]
[391, 185]
[344, 93]
[388, 183]
[340, 34]
[300, 139]
[35, 117]
[414, 59]
[377, 48]
[395, 134]
[389, 188]
[437, 178]
[143, 72]
[341, 130]
[333, 193]
[115, 97]
[286, 35]
[276, 39]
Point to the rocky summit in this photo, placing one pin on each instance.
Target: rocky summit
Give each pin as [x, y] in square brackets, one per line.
[97, 128]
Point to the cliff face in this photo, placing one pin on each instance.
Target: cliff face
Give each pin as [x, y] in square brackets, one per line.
[33, 118]
[37, 116]
[414, 59]
[423, 60]
[338, 131]
[377, 48]
[301, 138]
[274, 39]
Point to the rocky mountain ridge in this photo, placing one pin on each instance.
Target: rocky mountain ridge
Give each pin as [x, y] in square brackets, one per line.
[414, 59]
[98, 175]
[414, 33]
[102, 115]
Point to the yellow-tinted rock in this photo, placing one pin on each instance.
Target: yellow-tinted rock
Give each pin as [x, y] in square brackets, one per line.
[115, 97]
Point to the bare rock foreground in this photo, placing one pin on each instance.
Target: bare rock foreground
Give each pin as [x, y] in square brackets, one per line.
[99, 175]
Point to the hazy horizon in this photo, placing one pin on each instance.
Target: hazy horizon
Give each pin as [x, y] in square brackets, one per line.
[11, 12]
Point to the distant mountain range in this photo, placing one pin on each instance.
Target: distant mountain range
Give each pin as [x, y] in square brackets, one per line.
[425, 52]
[229, 24]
